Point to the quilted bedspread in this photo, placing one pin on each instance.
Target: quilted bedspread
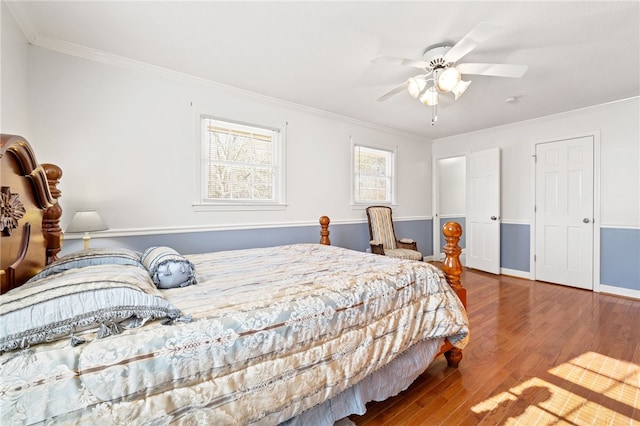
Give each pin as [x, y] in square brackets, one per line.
[273, 332]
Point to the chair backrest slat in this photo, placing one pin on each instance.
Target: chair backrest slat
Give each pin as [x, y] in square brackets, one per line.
[381, 226]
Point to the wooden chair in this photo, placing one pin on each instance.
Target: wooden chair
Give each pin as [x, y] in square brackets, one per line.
[383, 238]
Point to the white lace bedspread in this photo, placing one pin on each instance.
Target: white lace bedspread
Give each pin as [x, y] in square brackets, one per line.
[274, 332]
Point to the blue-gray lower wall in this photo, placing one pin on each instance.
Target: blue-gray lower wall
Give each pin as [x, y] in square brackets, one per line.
[619, 248]
[514, 240]
[352, 236]
[620, 257]
[514, 243]
[420, 231]
[515, 246]
[619, 253]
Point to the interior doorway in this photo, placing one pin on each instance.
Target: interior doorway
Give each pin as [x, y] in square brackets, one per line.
[449, 201]
[467, 191]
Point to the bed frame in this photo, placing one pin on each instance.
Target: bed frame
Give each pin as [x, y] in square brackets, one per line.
[451, 267]
[29, 212]
[32, 238]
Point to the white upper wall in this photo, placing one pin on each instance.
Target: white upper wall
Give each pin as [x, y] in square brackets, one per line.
[126, 140]
[14, 113]
[618, 127]
[127, 137]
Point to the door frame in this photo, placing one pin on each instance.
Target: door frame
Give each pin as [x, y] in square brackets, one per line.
[596, 203]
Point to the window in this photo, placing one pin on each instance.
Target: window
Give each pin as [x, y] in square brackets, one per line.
[241, 164]
[373, 175]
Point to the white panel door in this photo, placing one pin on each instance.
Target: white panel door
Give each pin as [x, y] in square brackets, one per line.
[483, 210]
[564, 212]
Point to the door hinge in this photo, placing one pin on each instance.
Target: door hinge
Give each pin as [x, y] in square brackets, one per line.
[535, 158]
[534, 258]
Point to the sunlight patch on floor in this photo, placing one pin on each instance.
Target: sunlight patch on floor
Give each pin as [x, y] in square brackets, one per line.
[591, 389]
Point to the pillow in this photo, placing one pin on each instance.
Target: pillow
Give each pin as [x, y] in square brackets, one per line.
[168, 268]
[100, 297]
[88, 257]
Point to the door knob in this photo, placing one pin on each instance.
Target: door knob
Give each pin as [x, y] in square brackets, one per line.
[493, 218]
[585, 220]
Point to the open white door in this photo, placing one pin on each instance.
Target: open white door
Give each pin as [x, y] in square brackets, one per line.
[483, 210]
[564, 212]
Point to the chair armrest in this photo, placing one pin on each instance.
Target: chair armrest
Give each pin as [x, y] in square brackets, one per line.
[407, 243]
[376, 247]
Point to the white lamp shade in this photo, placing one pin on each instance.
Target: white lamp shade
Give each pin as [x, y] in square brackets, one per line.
[86, 221]
[430, 96]
[460, 88]
[415, 86]
[448, 79]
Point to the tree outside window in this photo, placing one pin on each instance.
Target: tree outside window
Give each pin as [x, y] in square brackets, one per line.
[373, 175]
[240, 163]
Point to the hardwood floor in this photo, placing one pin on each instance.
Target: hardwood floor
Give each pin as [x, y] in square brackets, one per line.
[539, 353]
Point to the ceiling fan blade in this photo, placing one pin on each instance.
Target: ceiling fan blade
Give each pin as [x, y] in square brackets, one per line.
[399, 88]
[416, 63]
[481, 32]
[496, 70]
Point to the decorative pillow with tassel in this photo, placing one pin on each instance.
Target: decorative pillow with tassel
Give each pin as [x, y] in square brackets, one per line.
[168, 268]
[103, 299]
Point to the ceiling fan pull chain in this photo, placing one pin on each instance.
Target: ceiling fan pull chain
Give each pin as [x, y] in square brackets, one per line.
[434, 114]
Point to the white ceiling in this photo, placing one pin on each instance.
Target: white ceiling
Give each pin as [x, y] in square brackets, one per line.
[318, 54]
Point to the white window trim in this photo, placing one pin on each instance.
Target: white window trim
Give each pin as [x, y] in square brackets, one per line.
[359, 205]
[240, 205]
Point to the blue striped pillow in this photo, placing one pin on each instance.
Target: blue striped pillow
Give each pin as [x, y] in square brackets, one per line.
[91, 257]
[101, 298]
[168, 268]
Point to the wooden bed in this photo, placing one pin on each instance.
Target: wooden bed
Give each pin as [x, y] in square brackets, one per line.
[31, 243]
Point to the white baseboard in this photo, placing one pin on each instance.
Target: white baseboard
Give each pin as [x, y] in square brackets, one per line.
[515, 273]
[619, 291]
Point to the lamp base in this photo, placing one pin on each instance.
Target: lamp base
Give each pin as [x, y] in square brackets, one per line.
[86, 239]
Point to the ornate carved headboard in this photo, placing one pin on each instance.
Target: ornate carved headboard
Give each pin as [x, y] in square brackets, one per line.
[30, 232]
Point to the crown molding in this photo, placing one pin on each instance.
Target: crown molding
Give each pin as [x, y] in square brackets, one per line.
[619, 102]
[95, 55]
[22, 19]
[77, 50]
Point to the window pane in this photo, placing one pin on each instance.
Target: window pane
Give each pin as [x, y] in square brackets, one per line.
[241, 162]
[373, 174]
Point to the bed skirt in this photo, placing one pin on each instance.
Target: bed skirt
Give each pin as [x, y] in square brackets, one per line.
[384, 383]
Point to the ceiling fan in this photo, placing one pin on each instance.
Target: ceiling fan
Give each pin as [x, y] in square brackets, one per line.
[442, 75]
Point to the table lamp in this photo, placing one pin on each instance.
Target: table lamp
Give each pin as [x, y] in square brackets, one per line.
[86, 221]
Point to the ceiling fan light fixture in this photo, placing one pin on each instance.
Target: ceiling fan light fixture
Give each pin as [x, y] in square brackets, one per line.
[460, 88]
[430, 96]
[448, 79]
[415, 86]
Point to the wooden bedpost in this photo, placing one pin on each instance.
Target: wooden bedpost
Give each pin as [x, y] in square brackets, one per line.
[452, 269]
[51, 218]
[324, 230]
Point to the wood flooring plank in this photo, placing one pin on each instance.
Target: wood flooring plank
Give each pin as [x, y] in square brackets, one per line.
[525, 335]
